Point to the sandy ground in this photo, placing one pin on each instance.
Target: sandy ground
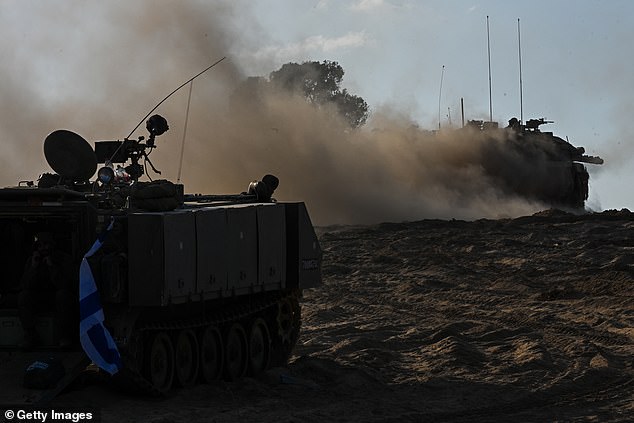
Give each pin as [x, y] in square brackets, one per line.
[530, 319]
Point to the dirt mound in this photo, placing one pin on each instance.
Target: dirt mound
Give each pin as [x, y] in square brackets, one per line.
[527, 319]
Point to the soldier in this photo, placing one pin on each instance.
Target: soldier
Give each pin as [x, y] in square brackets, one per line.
[13, 254]
[48, 275]
[514, 124]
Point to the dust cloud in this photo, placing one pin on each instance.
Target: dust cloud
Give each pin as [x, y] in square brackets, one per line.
[389, 170]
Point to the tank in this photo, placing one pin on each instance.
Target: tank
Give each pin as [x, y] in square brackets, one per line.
[174, 288]
[555, 172]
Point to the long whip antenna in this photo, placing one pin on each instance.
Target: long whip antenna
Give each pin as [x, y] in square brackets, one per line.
[442, 74]
[519, 52]
[489, 54]
[189, 100]
[170, 94]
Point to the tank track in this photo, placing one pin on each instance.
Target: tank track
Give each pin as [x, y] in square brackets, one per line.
[130, 376]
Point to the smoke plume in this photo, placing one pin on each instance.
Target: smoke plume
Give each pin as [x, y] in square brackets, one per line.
[132, 54]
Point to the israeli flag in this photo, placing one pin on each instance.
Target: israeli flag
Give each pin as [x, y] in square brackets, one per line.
[93, 335]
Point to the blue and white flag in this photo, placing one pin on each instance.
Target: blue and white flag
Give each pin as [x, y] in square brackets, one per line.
[93, 335]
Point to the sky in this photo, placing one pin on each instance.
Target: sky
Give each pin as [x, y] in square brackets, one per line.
[97, 67]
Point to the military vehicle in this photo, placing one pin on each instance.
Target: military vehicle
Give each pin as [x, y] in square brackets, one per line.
[554, 173]
[192, 287]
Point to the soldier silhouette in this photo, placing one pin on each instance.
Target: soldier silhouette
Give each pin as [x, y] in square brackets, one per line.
[48, 275]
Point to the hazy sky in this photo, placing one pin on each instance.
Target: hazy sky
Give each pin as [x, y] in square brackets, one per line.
[64, 61]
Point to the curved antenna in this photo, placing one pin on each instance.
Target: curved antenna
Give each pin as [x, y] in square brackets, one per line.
[180, 163]
[170, 94]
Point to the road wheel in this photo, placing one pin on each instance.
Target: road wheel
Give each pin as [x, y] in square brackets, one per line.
[186, 358]
[236, 352]
[259, 347]
[211, 354]
[159, 362]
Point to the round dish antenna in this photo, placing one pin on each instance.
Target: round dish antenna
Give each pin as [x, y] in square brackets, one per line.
[70, 155]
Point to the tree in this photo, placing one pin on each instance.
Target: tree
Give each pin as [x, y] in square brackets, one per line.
[353, 108]
[320, 84]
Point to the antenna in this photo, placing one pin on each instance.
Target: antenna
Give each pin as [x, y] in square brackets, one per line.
[180, 163]
[161, 102]
[442, 74]
[519, 51]
[489, 54]
[170, 94]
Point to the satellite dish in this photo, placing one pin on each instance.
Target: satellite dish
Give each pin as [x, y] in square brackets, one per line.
[69, 155]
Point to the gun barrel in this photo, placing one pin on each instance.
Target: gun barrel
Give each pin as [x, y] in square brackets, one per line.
[203, 198]
[590, 159]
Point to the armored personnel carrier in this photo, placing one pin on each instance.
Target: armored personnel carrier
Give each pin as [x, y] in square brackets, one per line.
[174, 288]
[554, 173]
